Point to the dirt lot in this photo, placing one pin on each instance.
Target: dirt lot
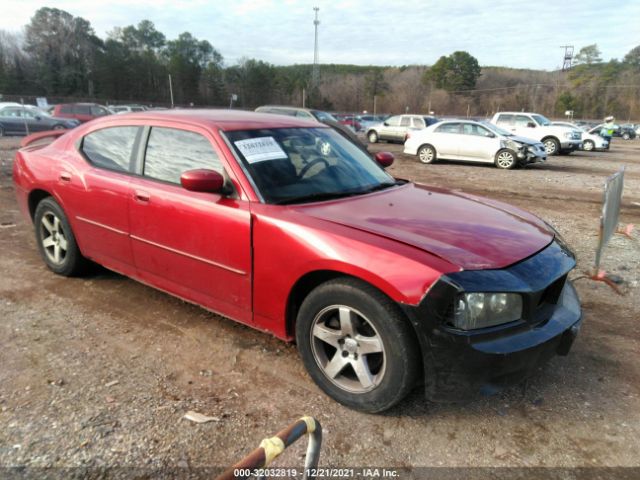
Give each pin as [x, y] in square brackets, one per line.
[65, 342]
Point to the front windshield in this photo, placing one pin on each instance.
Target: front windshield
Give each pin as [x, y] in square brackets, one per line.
[496, 129]
[298, 165]
[542, 121]
[324, 116]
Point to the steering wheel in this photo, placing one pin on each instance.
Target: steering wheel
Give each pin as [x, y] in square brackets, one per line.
[308, 166]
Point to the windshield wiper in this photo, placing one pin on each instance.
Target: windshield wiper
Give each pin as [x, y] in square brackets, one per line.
[317, 197]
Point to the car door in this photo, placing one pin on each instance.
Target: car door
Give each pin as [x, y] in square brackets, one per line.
[400, 133]
[478, 144]
[194, 244]
[524, 126]
[446, 140]
[35, 121]
[100, 197]
[388, 129]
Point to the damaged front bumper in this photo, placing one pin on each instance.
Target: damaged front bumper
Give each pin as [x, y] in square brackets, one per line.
[459, 363]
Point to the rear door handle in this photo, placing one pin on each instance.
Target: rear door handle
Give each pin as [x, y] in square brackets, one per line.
[141, 196]
[65, 177]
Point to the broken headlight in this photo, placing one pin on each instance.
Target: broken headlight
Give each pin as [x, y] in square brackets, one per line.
[480, 310]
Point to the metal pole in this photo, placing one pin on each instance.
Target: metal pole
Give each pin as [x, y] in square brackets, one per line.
[171, 90]
[24, 117]
[375, 104]
[304, 98]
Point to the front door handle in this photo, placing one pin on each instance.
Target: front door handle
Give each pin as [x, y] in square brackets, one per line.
[142, 197]
[65, 177]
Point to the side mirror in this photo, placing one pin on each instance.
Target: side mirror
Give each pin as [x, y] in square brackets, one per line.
[531, 125]
[38, 117]
[491, 135]
[202, 180]
[384, 159]
[385, 124]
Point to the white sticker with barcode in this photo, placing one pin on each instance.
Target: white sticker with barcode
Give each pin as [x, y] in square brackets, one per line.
[260, 149]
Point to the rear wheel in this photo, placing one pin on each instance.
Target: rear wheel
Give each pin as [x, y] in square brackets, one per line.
[551, 146]
[357, 345]
[427, 154]
[505, 159]
[373, 136]
[58, 127]
[626, 136]
[56, 242]
[588, 145]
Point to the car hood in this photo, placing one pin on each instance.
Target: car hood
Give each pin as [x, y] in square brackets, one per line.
[470, 232]
[524, 140]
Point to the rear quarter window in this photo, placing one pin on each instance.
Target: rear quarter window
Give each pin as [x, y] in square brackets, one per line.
[171, 152]
[111, 148]
[505, 120]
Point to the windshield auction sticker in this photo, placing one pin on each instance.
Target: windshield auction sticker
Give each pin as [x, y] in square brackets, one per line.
[260, 149]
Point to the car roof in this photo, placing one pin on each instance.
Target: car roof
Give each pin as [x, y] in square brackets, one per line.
[226, 120]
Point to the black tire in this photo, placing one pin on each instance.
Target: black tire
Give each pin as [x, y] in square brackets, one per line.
[391, 373]
[427, 154]
[626, 136]
[506, 159]
[47, 229]
[372, 136]
[58, 127]
[588, 146]
[551, 146]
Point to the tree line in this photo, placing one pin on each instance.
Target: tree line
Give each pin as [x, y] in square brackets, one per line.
[59, 56]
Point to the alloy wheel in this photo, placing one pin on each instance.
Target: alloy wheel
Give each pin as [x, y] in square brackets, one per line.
[348, 349]
[54, 241]
[426, 155]
[505, 160]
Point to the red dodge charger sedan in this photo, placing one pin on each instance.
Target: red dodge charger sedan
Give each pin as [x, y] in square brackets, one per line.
[286, 226]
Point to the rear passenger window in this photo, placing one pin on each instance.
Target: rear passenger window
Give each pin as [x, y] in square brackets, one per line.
[505, 120]
[111, 148]
[172, 152]
[448, 128]
[405, 122]
[82, 110]
[66, 109]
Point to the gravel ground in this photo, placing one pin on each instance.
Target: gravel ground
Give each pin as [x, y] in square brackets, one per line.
[98, 372]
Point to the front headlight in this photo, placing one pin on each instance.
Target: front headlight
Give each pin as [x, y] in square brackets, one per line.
[480, 310]
[511, 144]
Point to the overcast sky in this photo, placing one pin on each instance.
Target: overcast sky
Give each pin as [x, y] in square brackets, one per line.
[513, 33]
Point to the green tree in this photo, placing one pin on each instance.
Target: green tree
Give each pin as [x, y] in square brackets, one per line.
[63, 48]
[632, 58]
[588, 55]
[375, 84]
[458, 71]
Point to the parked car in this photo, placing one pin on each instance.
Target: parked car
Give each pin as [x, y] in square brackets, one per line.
[80, 111]
[349, 121]
[23, 119]
[626, 133]
[473, 142]
[395, 129]
[590, 141]
[557, 140]
[378, 280]
[316, 115]
[366, 120]
[127, 108]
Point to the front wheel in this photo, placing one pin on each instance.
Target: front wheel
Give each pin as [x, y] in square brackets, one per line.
[626, 136]
[588, 145]
[58, 127]
[551, 146]
[427, 154]
[505, 159]
[56, 242]
[357, 345]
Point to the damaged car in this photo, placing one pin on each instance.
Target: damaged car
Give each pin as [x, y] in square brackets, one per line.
[384, 284]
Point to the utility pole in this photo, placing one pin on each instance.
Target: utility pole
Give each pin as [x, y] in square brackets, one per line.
[171, 90]
[315, 74]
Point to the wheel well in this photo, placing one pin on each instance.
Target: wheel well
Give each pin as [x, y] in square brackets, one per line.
[35, 197]
[299, 292]
[550, 137]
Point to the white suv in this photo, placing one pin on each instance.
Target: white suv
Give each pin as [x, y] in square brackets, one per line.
[557, 139]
